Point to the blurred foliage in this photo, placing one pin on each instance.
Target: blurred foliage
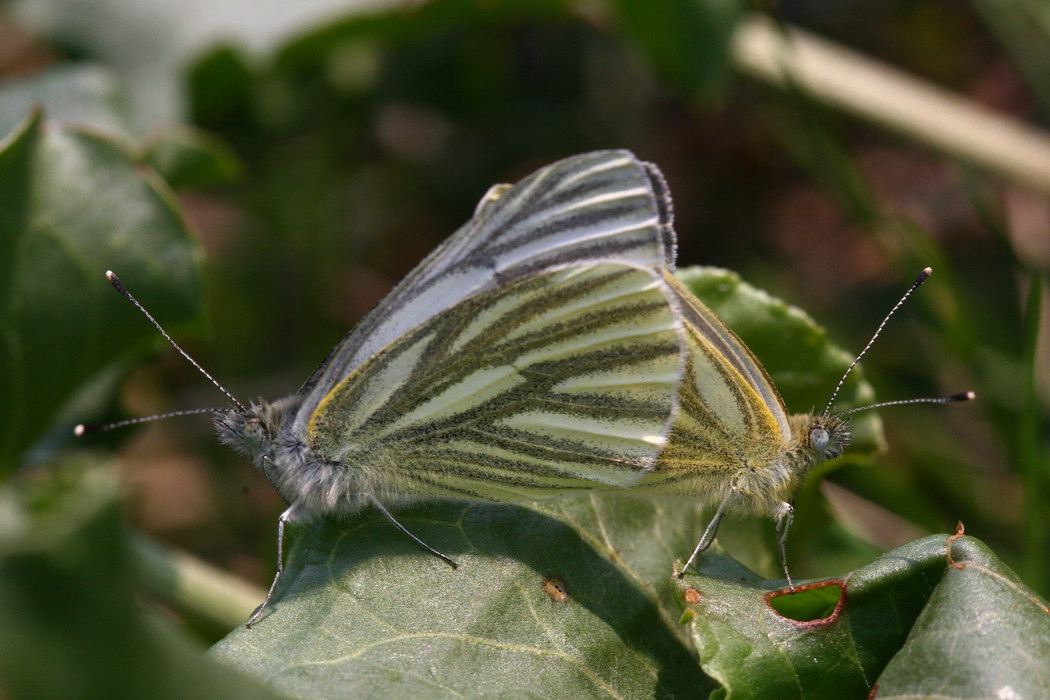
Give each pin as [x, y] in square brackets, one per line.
[71, 626]
[321, 153]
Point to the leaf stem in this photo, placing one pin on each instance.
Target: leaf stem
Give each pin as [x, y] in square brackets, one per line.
[935, 117]
[190, 585]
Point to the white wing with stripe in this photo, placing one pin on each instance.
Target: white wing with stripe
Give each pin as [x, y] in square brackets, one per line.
[595, 207]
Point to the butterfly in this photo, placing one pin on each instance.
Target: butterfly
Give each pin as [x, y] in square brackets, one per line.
[536, 351]
[733, 442]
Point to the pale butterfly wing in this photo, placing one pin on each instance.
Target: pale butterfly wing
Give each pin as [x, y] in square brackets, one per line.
[732, 431]
[753, 403]
[595, 207]
[563, 379]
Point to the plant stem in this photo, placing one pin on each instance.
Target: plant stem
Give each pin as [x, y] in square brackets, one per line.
[930, 115]
[193, 586]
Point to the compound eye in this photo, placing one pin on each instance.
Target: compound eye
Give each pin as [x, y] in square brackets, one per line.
[819, 439]
[254, 429]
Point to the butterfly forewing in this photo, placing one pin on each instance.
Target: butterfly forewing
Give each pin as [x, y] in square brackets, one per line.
[564, 379]
[588, 209]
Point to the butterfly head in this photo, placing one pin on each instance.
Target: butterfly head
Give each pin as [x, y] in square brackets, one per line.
[828, 436]
[251, 431]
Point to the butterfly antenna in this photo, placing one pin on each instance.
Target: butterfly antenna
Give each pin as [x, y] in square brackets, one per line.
[83, 429]
[923, 276]
[961, 396]
[119, 286]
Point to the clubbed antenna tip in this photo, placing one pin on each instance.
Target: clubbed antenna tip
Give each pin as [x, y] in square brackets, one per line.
[961, 396]
[84, 429]
[119, 286]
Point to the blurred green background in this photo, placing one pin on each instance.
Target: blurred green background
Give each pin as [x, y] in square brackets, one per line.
[328, 146]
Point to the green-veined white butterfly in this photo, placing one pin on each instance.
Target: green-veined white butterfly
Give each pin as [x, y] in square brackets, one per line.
[733, 441]
[545, 347]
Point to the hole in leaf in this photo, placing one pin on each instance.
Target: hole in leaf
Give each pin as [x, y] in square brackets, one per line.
[814, 603]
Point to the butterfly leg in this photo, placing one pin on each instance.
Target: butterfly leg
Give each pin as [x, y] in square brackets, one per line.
[783, 525]
[709, 534]
[418, 541]
[284, 517]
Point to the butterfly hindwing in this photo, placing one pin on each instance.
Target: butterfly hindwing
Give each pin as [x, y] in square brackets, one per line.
[750, 403]
[564, 379]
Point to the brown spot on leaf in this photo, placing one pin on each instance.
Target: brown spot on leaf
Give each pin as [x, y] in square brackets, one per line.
[692, 595]
[960, 531]
[556, 589]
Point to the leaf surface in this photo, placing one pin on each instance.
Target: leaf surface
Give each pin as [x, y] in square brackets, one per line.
[361, 609]
[554, 599]
[914, 622]
[73, 205]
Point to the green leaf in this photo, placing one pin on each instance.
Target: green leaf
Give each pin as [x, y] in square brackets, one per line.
[72, 628]
[363, 611]
[90, 98]
[983, 630]
[915, 622]
[73, 205]
[188, 157]
[569, 598]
